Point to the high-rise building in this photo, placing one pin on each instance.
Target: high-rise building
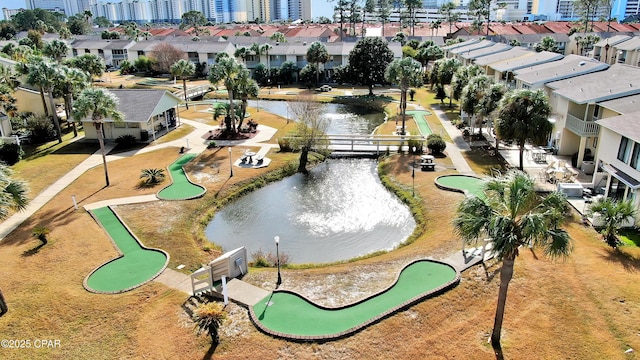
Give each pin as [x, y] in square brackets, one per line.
[622, 9]
[259, 9]
[51, 5]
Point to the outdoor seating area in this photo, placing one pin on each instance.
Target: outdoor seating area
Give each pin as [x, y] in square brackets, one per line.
[558, 172]
[427, 163]
[252, 159]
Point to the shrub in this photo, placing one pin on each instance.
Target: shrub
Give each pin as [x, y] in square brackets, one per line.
[127, 140]
[152, 176]
[415, 144]
[10, 153]
[435, 143]
[285, 145]
[208, 318]
[211, 144]
[41, 128]
[284, 259]
[259, 259]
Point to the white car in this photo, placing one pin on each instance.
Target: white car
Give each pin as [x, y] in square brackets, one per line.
[324, 88]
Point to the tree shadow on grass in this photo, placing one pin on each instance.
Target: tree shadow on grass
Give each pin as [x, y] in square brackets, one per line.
[33, 251]
[629, 262]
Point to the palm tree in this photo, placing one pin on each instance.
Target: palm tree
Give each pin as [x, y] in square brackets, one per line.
[317, 53]
[511, 215]
[13, 196]
[47, 76]
[152, 176]
[278, 37]
[523, 116]
[547, 43]
[428, 53]
[182, 69]
[405, 73]
[614, 214]
[98, 104]
[242, 53]
[461, 78]
[208, 318]
[446, 71]
[227, 70]
[73, 82]
[56, 49]
[491, 101]
[473, 95]
[245, 87]
[265, 48]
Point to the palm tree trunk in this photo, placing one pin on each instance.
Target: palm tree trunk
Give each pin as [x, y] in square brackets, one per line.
[304, 157]
[55, 115]
[184, 89]
[370, 89]
[232, 111]
[67, 110]
[506, 273]
[44, 102]
[521, 155]
[243, 113]
[403, 107]
[104, 155]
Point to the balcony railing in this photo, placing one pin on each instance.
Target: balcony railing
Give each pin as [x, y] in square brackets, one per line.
[581, 127]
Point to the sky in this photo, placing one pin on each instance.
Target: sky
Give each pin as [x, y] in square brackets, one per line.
[318, 7]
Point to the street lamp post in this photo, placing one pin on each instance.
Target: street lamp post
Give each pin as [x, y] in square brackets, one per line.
[277, 240]
[606, 53]
[230, 164]
[413, 173]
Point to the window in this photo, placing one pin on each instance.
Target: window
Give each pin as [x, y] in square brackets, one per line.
[140, 53]
[86, 51]
[624, 150]
[596, 112]
[634, 156]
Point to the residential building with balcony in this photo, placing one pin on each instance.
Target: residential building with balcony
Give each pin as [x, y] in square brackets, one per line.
[535, 77]
[604, 50]
[505, 70]
[575, 103]
[468, 57]
[618, 170]
[485, 61]
[628, 52]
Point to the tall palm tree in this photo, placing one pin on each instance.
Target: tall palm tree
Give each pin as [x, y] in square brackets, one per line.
[317, 53]
[614, 214]
[547, 43]
[73, 82]
[491, 101]
[242, 53]
[265, 48]
[405, 73]
[182, 69]
[446, 71]
[461, 78]
[245, 87]
[472, 96]
[511, 214]
[47, 76]
[98, 104]
[227, 70]
[523, 116]
[56, 49]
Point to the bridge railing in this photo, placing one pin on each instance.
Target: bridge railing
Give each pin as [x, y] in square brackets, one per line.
[192, 91]
[367, 143]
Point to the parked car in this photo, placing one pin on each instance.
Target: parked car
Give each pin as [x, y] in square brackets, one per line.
[324, 88]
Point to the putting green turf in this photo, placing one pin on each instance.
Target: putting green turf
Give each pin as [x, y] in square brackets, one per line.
[181, 188]
[470, 184]
[137, 265]
[420, 117]
[290, 315]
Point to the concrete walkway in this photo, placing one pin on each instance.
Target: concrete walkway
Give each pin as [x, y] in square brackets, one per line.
[459, 145]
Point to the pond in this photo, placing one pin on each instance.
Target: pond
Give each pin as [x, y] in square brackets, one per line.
[339, 211]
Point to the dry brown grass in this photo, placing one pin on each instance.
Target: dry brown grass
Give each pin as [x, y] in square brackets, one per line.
[587, 307]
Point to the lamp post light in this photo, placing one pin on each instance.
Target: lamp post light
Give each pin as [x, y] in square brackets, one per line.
[277, 240]
[230, 163]
[413, 173]
[606, 53]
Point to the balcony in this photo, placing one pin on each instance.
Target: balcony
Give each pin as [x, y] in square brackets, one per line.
[582, 128]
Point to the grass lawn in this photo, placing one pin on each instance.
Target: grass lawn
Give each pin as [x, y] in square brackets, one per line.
[630, 237]
[586, 307]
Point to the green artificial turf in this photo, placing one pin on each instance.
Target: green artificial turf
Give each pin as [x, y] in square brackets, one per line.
[421, 120]
[137, 266]
[292, 315]
[181, 188]
[471, 184]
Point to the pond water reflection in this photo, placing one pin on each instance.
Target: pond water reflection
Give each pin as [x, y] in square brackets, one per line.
[338, 211]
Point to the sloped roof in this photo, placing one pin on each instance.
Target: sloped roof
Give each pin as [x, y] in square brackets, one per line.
[140, 105]
[618, 81]
[531, 59]
[457, 45]
[616, 39]
[496, 48]
[626, 125]
[558, 27]
[501, 56]
[623, 105]
[472, 46]
[631, 44]
[568, 67]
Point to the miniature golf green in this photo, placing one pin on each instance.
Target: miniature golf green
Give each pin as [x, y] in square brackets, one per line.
[461, 183]
[420, 118]
[181, 188]
[288, 315]
[136, 266]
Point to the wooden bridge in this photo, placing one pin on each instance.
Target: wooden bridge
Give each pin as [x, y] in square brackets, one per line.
[369, 144]
[193, 92]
